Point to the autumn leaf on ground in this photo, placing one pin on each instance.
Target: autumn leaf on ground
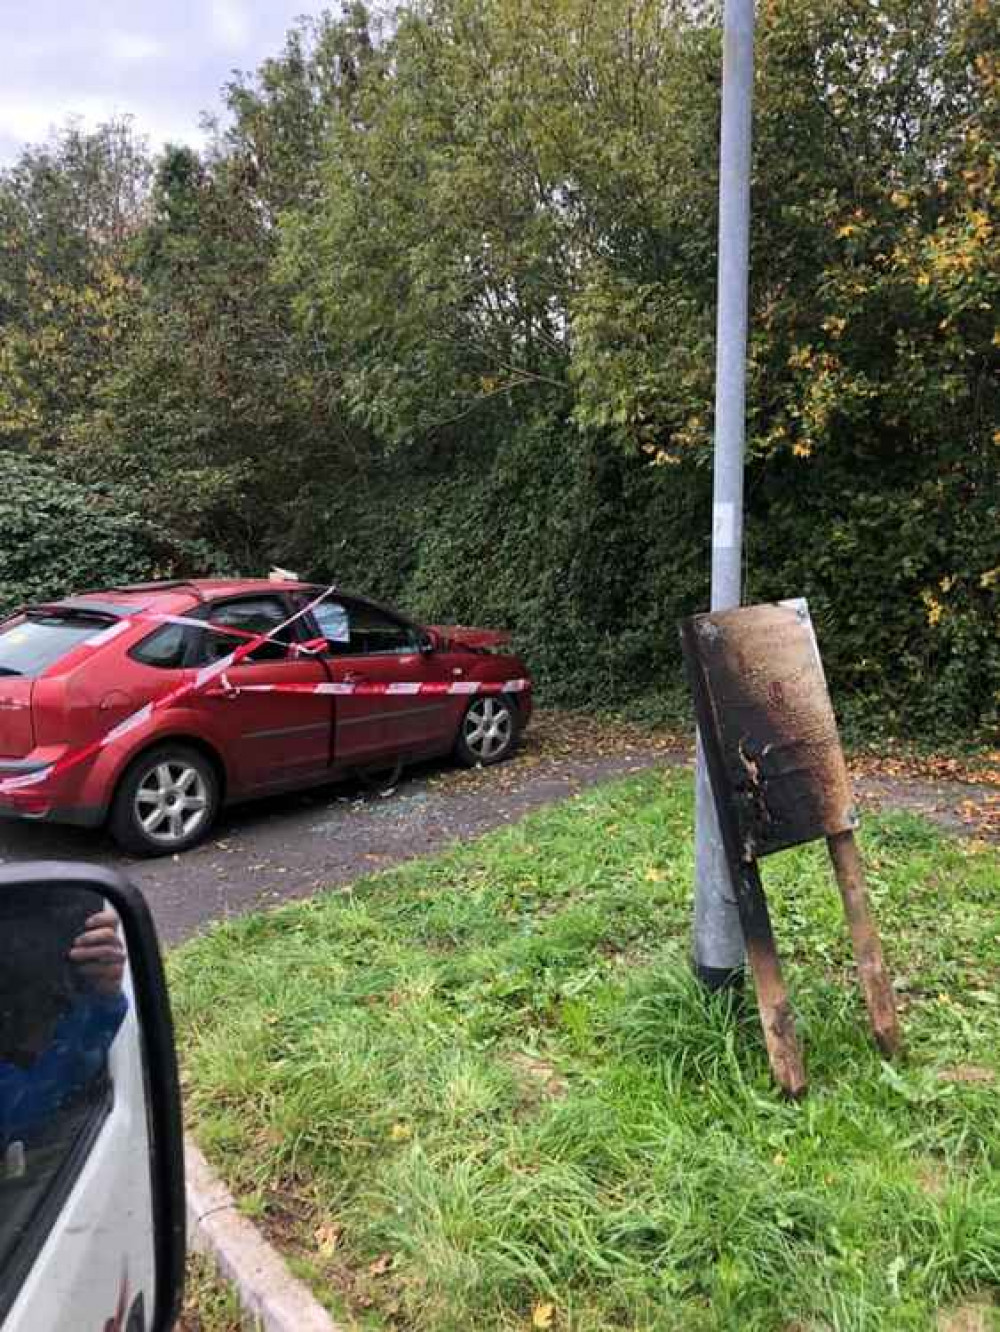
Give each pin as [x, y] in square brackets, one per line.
[327, 1238]
[543, 1315]
[381, 1265]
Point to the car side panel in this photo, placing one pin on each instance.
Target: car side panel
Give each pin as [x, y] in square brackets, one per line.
[387, 725]
[270, 739]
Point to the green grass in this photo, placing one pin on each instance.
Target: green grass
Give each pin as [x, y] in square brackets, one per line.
[210, 1303]
[490, 1077]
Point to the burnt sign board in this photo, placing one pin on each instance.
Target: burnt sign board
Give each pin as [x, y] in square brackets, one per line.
[774, 757]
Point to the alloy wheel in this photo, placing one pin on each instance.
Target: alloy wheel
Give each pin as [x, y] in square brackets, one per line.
[488, 728]
[171, 802]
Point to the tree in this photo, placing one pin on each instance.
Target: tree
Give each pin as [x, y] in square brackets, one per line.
[68, 214]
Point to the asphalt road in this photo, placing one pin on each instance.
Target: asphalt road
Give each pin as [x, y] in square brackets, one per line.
[295, 846]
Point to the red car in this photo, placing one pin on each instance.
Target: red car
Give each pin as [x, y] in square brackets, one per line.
[88, 734]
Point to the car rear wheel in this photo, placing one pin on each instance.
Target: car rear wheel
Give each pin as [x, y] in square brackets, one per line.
[488, 732]
[166, 802]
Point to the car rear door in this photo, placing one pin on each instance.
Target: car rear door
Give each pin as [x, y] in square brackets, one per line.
[272, 737]
[368, 646]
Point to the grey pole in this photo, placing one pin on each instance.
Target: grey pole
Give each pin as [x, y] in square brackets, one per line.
[719, 954]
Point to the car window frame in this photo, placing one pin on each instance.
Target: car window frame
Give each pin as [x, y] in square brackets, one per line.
[208, 609]
[186, 656]
[350, 603]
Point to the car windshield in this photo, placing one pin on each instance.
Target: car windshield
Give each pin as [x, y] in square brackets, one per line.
[29, 646]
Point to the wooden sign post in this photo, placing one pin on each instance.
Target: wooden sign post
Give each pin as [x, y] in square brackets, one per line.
[779, 778]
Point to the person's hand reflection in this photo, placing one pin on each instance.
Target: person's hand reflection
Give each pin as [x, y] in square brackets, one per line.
[99, 954]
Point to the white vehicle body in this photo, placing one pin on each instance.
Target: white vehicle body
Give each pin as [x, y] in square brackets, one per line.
[97, 1259]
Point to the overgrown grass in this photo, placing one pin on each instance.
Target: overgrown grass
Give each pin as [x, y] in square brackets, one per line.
[485, 1084]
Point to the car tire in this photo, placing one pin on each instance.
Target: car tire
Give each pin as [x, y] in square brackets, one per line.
[489, 731]
[167, 801]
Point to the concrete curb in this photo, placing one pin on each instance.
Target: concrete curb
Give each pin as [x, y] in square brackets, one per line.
[267, 1291]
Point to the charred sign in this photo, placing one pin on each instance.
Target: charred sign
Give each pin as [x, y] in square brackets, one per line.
[764, 709]
[779, 778]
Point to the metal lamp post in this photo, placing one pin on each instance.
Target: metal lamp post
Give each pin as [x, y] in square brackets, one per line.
[719, 952]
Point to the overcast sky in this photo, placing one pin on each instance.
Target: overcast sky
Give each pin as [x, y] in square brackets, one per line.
[162, 61]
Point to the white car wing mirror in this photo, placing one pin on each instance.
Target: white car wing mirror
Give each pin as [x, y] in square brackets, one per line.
[91, 1146]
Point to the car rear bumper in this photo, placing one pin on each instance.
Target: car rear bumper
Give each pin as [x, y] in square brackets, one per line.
[81, 818]
[44, 801]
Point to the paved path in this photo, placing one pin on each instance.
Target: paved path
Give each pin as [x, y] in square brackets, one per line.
[293, 846]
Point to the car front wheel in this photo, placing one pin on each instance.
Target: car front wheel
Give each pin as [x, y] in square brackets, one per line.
[166, 802]
[488, 732]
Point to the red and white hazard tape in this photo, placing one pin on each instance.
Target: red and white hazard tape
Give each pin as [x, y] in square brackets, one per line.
[379, 689]
[205, 677]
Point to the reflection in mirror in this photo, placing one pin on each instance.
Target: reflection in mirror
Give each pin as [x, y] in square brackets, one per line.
[62, 1002]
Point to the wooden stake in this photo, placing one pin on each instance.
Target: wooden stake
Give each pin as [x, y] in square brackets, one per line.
[776, 1016]
[875, 981]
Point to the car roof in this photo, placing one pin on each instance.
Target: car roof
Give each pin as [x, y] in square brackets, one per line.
[130, 597]
[174, 596]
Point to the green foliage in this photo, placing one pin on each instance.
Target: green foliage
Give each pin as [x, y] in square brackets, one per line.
[435, 313]
[67, 214]
[494, 1071]
[57, 535]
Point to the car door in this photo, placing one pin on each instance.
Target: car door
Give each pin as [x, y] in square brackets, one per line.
[271, 738]
[368, 646]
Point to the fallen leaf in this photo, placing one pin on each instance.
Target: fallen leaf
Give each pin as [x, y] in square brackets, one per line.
[327, 1238]
[381, 1265]
[968, 1073]
[543, 1315]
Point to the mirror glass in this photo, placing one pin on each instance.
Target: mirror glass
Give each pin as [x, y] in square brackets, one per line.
[62, 1002]
[72, 1148]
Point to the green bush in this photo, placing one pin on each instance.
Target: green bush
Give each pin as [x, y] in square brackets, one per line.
[591, 556]
[57, 535]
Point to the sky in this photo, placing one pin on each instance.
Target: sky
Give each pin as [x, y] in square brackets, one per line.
[161, 61]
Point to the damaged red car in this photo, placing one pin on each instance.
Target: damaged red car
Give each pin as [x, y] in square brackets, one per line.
[124, 707]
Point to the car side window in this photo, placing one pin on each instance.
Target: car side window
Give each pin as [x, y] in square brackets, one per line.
[252, 615]
[355, 629]
[166, 648]
[59, 1015]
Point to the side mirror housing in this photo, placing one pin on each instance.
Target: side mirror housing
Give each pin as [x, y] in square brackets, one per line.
[92, 1229]
[428, 641]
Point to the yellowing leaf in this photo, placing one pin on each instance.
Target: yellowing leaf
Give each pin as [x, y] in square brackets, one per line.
[401, 1132]
[327, 1238]
[543, 1315]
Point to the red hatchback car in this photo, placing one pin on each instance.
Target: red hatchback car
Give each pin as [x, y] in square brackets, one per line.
[83, 741]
